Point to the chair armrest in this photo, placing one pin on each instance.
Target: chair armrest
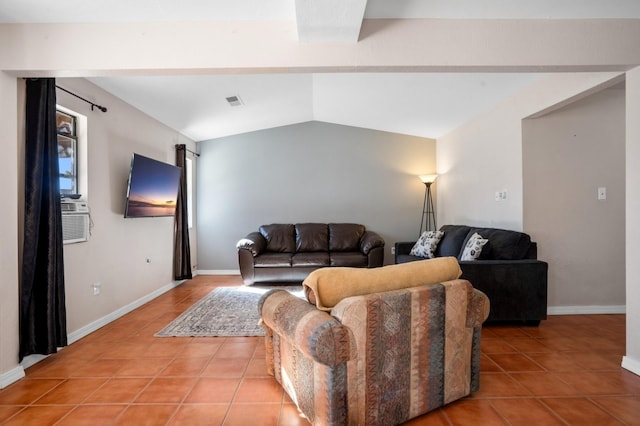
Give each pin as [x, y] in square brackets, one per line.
[478, 310]
[315, 333]
[254, 242]
[369, 241]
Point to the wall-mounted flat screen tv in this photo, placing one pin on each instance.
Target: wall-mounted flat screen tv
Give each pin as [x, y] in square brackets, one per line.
[153, 188]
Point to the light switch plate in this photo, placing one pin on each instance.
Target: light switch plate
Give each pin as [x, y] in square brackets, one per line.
[602, 193]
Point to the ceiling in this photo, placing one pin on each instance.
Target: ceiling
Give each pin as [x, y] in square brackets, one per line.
[420, 104]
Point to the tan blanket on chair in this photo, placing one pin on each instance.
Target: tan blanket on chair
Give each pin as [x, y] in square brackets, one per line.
[326, 287]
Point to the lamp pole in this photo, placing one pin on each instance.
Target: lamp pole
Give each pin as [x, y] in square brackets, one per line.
[428, 214]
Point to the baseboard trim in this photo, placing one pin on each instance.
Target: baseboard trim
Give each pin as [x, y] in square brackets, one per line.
[631, 364]
[90, 328]
[586, 310]
[30, 360]
[74, 336]
[219, 272]
[11, 376]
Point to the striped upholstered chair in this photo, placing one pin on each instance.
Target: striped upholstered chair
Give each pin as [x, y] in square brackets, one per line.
[376, 359]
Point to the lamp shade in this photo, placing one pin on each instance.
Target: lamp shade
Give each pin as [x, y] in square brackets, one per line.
[428, 178]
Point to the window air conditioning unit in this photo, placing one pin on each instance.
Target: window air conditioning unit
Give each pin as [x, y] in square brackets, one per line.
[75, 221]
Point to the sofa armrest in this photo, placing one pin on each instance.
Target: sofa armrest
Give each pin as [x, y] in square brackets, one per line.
[403, 247]
[369, 241]
[315, 333]
[375, 258]
[517, 289]
[254, 242]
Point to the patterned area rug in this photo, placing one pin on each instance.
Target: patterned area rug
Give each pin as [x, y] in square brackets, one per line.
[226, 311]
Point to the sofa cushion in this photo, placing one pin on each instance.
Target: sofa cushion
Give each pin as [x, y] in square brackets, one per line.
[451, 242]
[352, 258]
[280, 237]
[325, 287]
[312, 237]
[345, 236]
[503, 244]
[310, 259]
[272, 260]
[473, 247]
[427, 244]
[404, 258]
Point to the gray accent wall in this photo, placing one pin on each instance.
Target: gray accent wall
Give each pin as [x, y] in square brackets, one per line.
[308, 172]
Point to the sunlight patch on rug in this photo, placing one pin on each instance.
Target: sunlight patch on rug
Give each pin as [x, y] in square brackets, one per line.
[226, 311]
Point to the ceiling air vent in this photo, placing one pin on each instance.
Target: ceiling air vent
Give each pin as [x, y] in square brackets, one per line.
[234, 101]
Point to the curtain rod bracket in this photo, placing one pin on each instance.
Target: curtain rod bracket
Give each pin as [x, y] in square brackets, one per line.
[183, 146]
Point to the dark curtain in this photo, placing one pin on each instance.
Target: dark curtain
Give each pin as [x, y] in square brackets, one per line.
[43, 318]
[181, 248]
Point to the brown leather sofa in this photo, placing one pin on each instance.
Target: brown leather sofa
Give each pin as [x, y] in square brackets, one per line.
[288, 252]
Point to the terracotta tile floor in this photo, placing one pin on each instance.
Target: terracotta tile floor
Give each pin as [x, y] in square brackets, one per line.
[565, 372]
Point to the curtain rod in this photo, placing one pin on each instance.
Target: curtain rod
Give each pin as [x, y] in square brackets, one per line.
[100, 107]
[187, 149]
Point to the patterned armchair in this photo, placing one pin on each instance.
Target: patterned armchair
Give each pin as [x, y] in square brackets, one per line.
[376, 359]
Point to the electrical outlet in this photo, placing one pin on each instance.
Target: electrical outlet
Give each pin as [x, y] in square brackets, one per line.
[148, 260]
[393, 250]
[97, 287]
[501, 195]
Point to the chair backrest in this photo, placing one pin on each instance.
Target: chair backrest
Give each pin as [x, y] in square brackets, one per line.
[415, 350]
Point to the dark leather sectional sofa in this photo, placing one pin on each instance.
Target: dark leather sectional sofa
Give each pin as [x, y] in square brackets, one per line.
[288, 252]
[507, 271]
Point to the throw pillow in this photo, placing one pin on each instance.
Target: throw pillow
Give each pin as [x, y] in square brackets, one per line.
[427, 244]
[474, 247]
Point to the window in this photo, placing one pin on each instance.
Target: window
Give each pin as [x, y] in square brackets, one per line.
[189, 171]
[67, 152]
[72, 152]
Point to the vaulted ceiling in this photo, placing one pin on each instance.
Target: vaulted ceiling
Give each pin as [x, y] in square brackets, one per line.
[415, 103]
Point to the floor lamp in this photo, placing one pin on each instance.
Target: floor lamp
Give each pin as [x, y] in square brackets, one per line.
[428, 214]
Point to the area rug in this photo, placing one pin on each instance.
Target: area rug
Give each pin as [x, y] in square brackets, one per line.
[226, 311]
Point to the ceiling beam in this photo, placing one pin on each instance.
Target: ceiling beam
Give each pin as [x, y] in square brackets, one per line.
[403, 45]
[329, 20]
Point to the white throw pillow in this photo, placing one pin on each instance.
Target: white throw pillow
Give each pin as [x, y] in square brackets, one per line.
[473, 248]
[427, 244]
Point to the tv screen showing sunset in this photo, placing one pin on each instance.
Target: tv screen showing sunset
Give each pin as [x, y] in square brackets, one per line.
[153, 188]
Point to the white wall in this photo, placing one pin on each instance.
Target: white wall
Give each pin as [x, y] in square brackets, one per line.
[118, 248]
[485, 155]
[9, 344]
[632, 359]
[567, 155]
[124, 274]
[310, 172]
